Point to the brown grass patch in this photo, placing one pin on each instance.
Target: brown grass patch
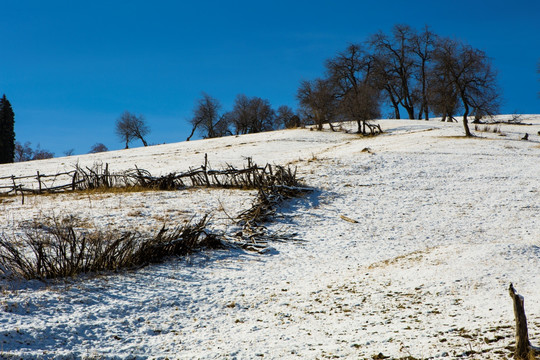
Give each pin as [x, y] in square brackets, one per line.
[414, 256]
[463, 137]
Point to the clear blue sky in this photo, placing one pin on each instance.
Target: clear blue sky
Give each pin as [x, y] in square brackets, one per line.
[70, 68]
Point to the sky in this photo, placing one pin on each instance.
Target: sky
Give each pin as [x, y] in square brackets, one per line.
[71, 68]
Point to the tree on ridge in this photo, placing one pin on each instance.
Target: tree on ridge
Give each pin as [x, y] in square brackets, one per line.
[130, 126]
[7, 131]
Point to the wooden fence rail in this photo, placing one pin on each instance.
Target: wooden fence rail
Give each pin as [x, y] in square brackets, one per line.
[99, 176]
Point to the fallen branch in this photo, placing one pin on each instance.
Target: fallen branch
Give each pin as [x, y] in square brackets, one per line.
[348, 219]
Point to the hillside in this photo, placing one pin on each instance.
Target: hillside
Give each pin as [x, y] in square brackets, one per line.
[406, 248]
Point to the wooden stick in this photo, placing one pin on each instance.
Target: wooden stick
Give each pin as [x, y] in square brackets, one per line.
[524, 350]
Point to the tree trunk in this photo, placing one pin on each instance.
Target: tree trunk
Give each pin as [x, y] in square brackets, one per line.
[524, 350]
[397, 115]
[465, 121]
[192, 132]
[410, 112]
[331, 126]
[395, 103]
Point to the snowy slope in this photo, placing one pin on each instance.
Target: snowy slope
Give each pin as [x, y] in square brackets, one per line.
[443, 225]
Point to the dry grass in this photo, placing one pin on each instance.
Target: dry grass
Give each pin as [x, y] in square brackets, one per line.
[463, 137]
[495, 128]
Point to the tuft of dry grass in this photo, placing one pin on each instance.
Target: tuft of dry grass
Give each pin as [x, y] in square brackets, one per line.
[496, 129]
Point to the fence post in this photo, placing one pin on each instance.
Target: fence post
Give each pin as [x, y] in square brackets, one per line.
[39, 182]
[14, 184]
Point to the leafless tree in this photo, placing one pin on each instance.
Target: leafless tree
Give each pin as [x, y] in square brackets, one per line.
[251, 115]
[23, 152]
[130, 126]
[386, 80]
[263, 116]
[69, 152]
[396, 66]
[286, 117]
[240, 115]
[97, 148]
[318, 101]
[469, 72]
[41, 154]
[358, 98]
[423, 45]
[26, 153]
[207, 119]
[443, 98]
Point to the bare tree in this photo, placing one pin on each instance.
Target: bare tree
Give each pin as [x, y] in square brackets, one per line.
[443, 97]
[318, 101]
[26, 153]
[207, 119]
[97, 148]
[423, 45]
[262, 115]
[251, 115]
[469, 72]
[358, 98]
[286, 117]
[23, 152]
[130, 126]
[386, 80]
[240, 115]
[41, 154]
[397, 66]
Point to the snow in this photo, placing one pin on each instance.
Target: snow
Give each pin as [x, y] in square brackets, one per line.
[444, 225]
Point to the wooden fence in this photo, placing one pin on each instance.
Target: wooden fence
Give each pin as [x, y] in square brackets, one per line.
[11, 185]
[99, 176]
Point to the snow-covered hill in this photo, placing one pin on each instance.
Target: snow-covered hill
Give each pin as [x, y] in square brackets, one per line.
[443, 225]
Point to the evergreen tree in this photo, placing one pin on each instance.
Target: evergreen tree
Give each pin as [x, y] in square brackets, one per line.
[7, 132]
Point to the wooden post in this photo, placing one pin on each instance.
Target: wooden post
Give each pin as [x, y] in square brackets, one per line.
[524, 350]
[39, 182]
[73, 181]
[14, 184]
[205, 169]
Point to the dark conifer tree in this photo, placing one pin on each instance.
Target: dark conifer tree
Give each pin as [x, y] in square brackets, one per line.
[7, 132]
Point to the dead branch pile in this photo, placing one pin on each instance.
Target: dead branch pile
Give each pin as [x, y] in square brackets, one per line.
[280, 184]
[58, 250]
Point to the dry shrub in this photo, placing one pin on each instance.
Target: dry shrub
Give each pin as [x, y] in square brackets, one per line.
[58, 250]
